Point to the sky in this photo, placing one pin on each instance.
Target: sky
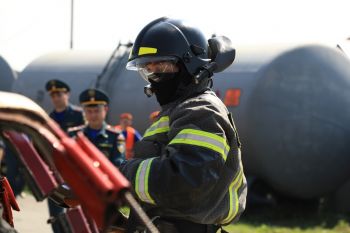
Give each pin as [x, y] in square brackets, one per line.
[31, 28]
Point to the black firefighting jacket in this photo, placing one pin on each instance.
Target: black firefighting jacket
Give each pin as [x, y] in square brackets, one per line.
[188, 164]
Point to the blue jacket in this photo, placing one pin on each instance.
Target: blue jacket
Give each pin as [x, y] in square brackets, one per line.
[108, 140]
[71, 117]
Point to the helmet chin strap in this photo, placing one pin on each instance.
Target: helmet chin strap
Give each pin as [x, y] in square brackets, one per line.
[205, 72]
[148, 90]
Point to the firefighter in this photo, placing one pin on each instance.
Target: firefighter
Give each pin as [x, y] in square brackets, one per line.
[187, 170]
[131, 135]
[110, 141]
[64, 113]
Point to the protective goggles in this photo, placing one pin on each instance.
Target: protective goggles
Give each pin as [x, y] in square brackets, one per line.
[156, 69]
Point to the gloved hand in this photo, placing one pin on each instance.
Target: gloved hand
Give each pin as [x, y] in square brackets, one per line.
[8, 200]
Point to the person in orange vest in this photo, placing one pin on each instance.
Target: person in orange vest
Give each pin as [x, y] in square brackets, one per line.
[153, 116]
[131, 135]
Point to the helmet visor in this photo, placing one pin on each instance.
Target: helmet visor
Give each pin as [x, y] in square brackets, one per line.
[156, 69]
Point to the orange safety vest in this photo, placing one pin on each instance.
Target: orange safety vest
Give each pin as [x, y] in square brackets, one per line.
[130, 140]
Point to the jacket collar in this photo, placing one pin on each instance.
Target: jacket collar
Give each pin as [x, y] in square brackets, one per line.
[187, 92]
[102, 131]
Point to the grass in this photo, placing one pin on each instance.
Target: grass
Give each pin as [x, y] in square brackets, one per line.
[287, 218]
[291, 219]
[341, 227]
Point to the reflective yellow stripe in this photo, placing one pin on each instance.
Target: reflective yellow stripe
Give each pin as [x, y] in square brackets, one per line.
[233, 198]
[147, 50]
[203, 139]
[124, 210]
[160, 126]
[141, 181]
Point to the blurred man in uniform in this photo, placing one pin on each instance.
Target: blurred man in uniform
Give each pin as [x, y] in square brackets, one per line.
[110, 141]
[131, 135]
[66, 115]
[187, 170]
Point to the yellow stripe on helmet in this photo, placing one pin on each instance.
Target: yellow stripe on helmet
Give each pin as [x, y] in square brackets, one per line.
[147, 50]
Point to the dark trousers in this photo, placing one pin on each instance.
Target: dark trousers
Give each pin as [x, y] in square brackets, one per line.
[13, 174]
[171, 225]
[54, 211]
[182, 226]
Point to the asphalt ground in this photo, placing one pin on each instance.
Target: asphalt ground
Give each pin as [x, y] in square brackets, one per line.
[32, 217]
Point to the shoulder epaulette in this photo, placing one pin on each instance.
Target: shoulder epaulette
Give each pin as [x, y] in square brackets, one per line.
[76, 128]
[112, 129]
[76, 108]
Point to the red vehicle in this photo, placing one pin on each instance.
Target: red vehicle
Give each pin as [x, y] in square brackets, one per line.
[73, 172]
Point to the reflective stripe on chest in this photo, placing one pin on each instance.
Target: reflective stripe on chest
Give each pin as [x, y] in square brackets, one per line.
[160, 126]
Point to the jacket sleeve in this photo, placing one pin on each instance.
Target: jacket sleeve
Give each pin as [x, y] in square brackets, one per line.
[188, 171]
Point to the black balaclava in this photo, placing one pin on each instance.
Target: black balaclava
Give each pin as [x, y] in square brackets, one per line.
[168, 91]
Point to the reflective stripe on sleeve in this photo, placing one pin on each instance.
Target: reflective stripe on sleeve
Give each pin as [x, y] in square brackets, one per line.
[234, 198]
[160, 126]
[203, 139]
[141, 181]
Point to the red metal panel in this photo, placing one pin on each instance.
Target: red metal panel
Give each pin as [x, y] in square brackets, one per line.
[77, 221]
[36, 166]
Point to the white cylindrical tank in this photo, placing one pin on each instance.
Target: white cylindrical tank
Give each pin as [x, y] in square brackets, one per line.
[7, 75]
[79, 69]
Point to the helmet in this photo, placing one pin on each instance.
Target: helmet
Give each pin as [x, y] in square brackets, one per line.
[168, 40]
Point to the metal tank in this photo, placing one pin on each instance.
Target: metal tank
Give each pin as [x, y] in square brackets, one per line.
[295, 120]
[292, 113]
[79, 69]
[302, 103]
[7, 75]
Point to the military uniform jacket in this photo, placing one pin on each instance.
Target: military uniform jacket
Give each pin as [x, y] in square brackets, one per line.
[73, 116]
[108, 140]
[188, 164]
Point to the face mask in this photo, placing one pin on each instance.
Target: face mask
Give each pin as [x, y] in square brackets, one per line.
[158, 81]
[167, 81]
[165, 91]
[171, 89]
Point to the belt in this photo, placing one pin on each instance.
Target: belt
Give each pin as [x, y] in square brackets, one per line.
[171, 225]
